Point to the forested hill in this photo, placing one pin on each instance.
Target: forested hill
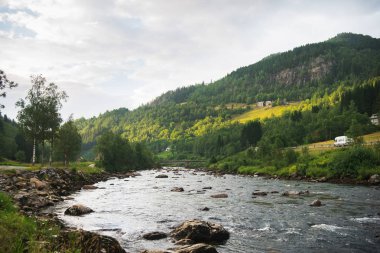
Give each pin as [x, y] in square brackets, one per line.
[187, 112]
[292, 75]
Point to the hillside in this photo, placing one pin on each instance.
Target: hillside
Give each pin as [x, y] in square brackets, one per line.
[197, 110]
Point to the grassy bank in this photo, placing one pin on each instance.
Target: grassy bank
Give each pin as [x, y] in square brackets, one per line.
[19, 233]
[356, 162]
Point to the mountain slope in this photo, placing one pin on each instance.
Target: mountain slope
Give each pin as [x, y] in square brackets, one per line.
[198, 109]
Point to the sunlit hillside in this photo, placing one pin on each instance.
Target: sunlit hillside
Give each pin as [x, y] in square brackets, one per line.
[265, 112]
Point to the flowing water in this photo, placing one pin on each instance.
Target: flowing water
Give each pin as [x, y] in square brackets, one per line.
[349, 220]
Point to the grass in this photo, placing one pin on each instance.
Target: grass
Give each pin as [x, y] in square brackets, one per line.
[19, 233]
[261, 113]
[319, 147]
[7, 162]
[84, 167]
[356, 162]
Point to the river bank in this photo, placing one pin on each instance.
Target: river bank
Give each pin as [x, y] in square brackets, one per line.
[33, 192]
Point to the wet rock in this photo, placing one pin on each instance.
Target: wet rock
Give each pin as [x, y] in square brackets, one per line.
[89, 242]
[273, 192]
[154, 236]
[162, 176]
[22, 198]
[157, 251]
[39, 185]
[295, 193]
[197, 248]
[89, 187]
[177, 189]
[207, 188]
[205, 209]
[259, 193]
[201, 232]
[185, 242]
[220, 196]
[316, 202]
[374, 179]
[77, 210]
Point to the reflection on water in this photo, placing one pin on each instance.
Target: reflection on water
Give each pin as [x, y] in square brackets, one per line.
[349, 220]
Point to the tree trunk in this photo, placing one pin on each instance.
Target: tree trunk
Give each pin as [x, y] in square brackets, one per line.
[34, 152]
[65, 160]
[42, 153]
[51, 151]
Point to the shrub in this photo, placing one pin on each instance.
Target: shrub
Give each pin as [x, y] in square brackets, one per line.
[348, 162]
[20, 156]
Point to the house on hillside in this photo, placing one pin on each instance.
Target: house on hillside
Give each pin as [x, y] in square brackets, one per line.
[261, 104]
[264, 103]
[375, 119]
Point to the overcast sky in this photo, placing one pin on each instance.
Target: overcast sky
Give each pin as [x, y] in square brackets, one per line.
[123, 53]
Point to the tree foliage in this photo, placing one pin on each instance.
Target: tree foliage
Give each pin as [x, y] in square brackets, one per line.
[5, 84]
[116, 154]
[69, 141]
[39, 116]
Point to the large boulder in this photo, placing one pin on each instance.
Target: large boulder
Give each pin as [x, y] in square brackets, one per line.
[87, 242]
[197, 248]
[154, 236]
[374, 179]
[201, 232]
[77, 210]
[316, 202]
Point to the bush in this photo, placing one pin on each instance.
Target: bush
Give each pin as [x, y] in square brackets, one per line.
[20, 156]
[348, 162]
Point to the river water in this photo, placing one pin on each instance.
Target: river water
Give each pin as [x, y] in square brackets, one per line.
[349, 220]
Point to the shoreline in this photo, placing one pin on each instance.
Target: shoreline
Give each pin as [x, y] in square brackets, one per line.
[340, 181]
[33, 192]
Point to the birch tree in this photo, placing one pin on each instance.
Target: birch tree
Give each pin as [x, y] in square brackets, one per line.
[39, 116]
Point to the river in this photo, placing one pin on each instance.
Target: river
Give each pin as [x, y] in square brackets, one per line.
[349, 220]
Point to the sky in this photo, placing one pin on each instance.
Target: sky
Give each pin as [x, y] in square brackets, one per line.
[124, 53]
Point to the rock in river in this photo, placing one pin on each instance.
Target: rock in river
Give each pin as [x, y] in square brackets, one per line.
[162, 176]
[201, 232]
[316, 202]
[177, 189]
[89, 187]
[220, 196]
[77, 210]
[374, 179]
[154, 236]
[259, 193]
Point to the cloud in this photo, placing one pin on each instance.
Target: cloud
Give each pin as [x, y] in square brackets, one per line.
[108, 54]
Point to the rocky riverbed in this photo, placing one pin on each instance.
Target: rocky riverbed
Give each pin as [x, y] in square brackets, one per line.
[260, 214]
[34, 191]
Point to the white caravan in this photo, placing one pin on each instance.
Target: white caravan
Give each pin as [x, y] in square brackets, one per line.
[341, 141]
